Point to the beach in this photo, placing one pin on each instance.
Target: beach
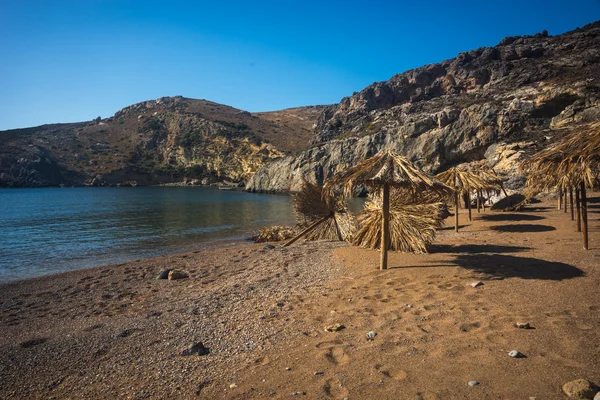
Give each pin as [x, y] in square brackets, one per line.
[117, 332]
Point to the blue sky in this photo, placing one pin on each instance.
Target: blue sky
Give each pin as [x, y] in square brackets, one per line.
[65, 61]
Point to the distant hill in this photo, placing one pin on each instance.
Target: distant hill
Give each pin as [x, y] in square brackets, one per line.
[171, 139]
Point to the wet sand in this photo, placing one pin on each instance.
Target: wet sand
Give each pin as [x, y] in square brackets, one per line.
[116, 332]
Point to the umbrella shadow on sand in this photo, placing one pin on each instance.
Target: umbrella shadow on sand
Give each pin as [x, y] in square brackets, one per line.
[475, 248]
[510, 217]
[505, 266]
[522, 228]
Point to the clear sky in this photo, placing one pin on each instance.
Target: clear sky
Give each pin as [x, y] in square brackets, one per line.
[74, 60]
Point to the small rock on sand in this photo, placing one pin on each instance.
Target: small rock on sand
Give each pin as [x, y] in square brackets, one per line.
[232, 386]
[523, 325]
[371, 335]
[269, 247]
[195, 348]
[580, 389]
[177, 274]
[164, 274]
[319, 372]
[334, 328]
[473, 383]
[477, 284]
[516, 354]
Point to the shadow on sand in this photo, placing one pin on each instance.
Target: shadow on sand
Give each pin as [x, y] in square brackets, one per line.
[522, 228]
[510, 217]
[504, 266]
[475, 248]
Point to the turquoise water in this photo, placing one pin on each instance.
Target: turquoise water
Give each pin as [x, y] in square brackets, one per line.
[46, 231]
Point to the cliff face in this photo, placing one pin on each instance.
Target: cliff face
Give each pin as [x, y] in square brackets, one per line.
[171, 139]
[496, 103]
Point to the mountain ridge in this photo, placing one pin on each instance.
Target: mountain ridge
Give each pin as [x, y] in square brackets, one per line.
[492, 104]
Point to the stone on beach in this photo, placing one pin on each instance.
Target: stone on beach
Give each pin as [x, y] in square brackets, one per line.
[177, 274]
[195, 348]
[523, 325]
[580, 389]
[164, 274]
[473, 383]
[516, 354]
[334, 328]
[371, 335]
[477, 284]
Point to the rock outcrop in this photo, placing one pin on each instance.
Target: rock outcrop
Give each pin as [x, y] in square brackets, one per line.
[496, 103]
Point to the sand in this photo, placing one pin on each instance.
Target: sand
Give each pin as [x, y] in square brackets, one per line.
[116, 332]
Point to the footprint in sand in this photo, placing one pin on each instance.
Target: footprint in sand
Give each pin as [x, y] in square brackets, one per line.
[337, 356]
[392, 372]
[334, 389]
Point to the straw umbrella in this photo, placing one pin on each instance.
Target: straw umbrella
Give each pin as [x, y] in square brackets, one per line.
[571, 163]
[321, 215]
[382, 171]
[464, 182]
[412, 225]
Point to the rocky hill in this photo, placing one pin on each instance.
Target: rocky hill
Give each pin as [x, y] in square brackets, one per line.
[497, 104]
[171, 139]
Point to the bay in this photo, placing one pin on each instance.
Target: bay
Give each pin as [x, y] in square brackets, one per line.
[50, 230]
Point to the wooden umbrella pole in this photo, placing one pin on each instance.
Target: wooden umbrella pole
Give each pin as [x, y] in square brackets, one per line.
[566, 201]
[456, 211]
[337, 229]
[571, 203]
[307, 230]
[385, 226]
[578, 209]
[584, 224]
[478, 202]
[559, 201]
[469, 205]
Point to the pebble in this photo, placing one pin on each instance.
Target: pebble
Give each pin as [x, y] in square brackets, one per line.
[164, 274]
[477, 284]
[580, 389]
[516, 354]
[334, 328]
[177, 274]
[371, 335]
[232, 386]
[288, 369]
[523, 325]
[195, 348]
[319, 372]
[473, 383]
[269, 247]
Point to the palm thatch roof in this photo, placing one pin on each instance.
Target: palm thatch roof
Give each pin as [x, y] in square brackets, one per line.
[412, 226]
[312, 204]
[387, 167]
[274, 233]
[467, 181]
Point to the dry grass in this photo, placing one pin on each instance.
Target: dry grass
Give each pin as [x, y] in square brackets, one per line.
[312, 203]
[274, 234]
[412, 226]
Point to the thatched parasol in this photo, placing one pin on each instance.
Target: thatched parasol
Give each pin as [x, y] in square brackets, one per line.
[384, 170]
[321, 215]
[464, 182]
[412, 226]
[570, 164]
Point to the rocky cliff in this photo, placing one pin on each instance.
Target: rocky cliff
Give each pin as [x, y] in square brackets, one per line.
[495, 103]
[171, 139]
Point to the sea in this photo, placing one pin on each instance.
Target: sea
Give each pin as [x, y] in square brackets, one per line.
[51, 230]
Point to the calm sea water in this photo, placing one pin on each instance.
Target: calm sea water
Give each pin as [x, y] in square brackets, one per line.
[44, 231]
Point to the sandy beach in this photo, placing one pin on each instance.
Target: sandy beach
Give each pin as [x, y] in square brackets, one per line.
[117, 332]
